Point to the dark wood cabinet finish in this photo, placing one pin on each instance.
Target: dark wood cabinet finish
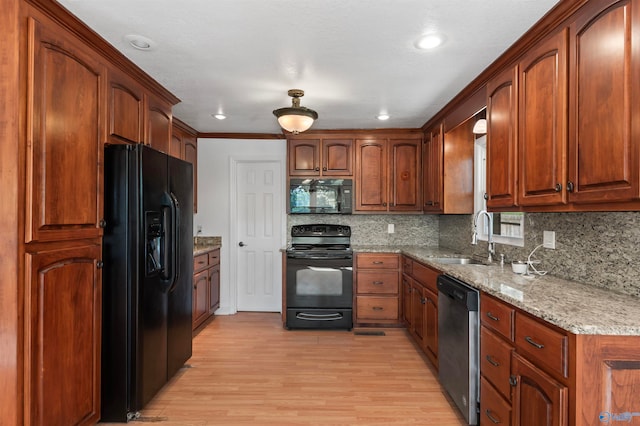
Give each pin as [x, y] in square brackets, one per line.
[125, 108]
[184, 145]
[304, 157]
[337, 157]
[200, 297]
[538, 399]
[432, 170]
[206, 287]
[377, 289]
[542, 130]
[65, 120]
[502, 142]
[321, 156]
[371, 175]
[604, 127]
[159, 128]
[405, 174]
[63, 307]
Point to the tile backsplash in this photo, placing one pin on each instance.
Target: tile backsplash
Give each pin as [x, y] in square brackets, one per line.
[599, 249]
[372, 229]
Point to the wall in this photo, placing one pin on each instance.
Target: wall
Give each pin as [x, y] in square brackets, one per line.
[214, 194]
[372, 229]
[599, 249]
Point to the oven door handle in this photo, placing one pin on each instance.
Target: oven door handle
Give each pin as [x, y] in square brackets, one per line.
[318, 317]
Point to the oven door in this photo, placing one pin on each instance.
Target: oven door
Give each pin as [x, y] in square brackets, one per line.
[319, 283]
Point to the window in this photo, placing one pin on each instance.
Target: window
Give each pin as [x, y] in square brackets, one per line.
[508, 228]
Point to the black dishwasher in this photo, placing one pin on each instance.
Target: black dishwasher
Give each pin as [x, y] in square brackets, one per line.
[458, 344]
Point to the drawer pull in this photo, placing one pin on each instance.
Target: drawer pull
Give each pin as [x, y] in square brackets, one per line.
[493, 419]
[492, 317]
[378, 262]
[378, 282]
[533, 343]
[378, 308]
[493, 362]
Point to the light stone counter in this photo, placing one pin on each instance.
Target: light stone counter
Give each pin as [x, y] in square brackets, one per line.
[572, 306]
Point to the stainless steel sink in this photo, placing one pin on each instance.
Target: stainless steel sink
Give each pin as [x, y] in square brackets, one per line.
[457, 261]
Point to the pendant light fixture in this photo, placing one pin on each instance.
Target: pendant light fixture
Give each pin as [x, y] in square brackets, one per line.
[296, 118]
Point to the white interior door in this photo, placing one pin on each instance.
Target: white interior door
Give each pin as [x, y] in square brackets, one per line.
[259, 216]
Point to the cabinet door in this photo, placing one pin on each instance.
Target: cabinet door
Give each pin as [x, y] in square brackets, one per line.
[542, 137]
[65, 118]
[371, 175]
[200, 297]
[126, 109]
[432, 171]
[190, 154]
[502, 131]
[417, 309]
[158, 124]
[337, 157]
[304, 157]
[431, 325]
[406, 302]
[405, 175]
[538, 400]
[176, 147]
[604, 128]
[214, 289]
[63, 316]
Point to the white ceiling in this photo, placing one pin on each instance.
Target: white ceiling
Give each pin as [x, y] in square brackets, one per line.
[353, 58]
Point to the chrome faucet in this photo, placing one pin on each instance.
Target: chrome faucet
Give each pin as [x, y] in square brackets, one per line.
[474, 238]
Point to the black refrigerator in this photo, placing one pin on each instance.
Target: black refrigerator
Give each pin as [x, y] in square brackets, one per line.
[147, 274]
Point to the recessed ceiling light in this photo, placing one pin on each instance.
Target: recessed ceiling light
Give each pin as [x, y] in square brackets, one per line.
[383, 117]
[219, 116]
[429, 41]
[140, 42]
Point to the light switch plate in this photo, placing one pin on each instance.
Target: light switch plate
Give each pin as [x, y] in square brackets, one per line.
[549, 239]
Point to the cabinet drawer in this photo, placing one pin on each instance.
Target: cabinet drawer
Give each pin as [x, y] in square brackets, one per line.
[377, 308]
[200, 262]
[541, 343]
[495, 361]
[386, 282]
[426, 276]
[407, 265]
[497, 315]
[377, 261]
[214, 257]
[493, 409]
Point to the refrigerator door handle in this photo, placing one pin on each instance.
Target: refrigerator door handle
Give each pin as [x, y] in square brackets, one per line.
[167, 249]
[175, 240]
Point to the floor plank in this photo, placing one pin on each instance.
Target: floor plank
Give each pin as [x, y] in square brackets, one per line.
[247, 370]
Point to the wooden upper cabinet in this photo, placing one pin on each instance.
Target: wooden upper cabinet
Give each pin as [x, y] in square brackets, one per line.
[604, 131]
[432, 170]
[65, 120]
[184, 145]
[337, 157]
[457, 170]
[542, 136]
[63, 311]
[405, 174]
[304, 157]
[320, 157]
[125, 107]
[159, 128]
[176, 146]
[502, 131]
[371, 175]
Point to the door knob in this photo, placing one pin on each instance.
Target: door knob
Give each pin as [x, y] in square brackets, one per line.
[241, 244]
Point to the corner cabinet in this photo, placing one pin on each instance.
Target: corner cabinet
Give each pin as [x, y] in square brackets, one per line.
[388, 175]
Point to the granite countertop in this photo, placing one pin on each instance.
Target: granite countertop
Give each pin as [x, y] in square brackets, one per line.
[203, 248]
[576, 307]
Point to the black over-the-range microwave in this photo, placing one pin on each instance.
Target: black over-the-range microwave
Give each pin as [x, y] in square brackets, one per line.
[320, 196]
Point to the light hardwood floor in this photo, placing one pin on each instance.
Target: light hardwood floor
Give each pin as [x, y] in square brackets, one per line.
[247, 370]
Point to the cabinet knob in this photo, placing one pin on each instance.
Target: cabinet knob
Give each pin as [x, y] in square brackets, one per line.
[384, 204]
[428, 203]
[570, 186]
[102, 223]
[513, 380]
[324, 169]
[558, 187]
[317, 169]
[241, 244]
[99, 264]
[486, 196]
[423, 300]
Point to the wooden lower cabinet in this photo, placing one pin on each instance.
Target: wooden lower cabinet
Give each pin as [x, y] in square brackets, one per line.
[420, 293]
[377, 289]
[63, 308]
[544, 375]
[206, 286]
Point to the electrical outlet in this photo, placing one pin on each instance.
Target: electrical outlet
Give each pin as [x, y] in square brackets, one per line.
[549, 239]
[391, 228]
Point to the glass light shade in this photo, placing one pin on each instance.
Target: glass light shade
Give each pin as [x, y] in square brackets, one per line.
[480, 128]
[295, 123]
